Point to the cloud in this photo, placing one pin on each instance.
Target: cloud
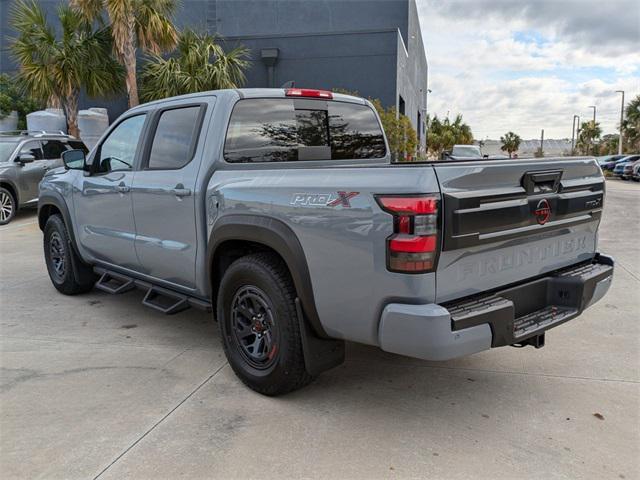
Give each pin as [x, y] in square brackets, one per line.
[612, 25]
[524, 66]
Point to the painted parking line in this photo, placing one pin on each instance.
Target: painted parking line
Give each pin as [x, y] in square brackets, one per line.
[15, 227]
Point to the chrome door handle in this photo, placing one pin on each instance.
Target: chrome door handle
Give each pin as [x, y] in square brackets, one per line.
[122, 188]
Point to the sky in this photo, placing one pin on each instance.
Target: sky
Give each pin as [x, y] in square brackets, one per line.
[523, 66]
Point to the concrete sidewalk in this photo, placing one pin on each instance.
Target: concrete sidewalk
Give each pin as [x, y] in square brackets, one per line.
[100, 386]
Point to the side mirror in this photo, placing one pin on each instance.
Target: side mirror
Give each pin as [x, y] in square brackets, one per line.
[25, 158]
[485, 156]
[74, 159]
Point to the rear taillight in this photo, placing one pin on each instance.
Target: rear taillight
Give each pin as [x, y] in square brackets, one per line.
[414, 245]
[308, 92]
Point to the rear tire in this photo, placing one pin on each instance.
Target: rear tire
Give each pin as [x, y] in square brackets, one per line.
[8, 206]
[259, 325]
[68, 273]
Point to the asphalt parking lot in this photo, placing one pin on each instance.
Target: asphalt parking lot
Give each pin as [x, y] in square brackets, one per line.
[100, 386]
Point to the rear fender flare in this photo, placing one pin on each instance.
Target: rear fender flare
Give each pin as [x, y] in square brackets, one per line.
[276, 235]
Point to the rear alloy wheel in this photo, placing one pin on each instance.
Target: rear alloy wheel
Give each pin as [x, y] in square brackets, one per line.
[254, 332]
[259, 325]
[7, 206]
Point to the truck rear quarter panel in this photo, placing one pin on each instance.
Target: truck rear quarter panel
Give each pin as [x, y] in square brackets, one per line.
[344, 242]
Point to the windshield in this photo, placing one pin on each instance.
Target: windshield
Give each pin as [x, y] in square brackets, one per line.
[6, 149]
[470, 151]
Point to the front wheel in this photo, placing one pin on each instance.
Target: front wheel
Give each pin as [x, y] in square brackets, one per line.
[8, 206]
[66, 270]
[259, 325]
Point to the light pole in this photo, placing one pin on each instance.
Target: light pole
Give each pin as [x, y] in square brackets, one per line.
[574, 132]
[426, 119]
[594, 126]
[621, 120]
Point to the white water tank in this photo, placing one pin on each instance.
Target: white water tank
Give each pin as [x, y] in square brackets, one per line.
[9, 122]
[49, 120]
[92, 124]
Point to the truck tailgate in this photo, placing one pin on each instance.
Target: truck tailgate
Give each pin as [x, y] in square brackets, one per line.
[505, 221]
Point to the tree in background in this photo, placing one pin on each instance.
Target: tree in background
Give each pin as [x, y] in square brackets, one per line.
[199, 64]
[60, 67]
[11, 99]
[144, 24]
[588, 137]
[631, 126]
[510, 143]
[442, 135]
[401, 136]
[608, 145]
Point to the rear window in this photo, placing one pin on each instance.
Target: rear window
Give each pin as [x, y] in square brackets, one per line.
[285, 130]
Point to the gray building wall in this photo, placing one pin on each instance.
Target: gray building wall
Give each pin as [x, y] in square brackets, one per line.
[373, 47]
[412, 74]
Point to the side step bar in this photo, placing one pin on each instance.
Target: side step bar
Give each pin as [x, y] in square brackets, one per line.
[115, 283]
[162, 299]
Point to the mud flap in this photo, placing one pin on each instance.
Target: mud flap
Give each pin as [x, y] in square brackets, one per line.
[320, 354]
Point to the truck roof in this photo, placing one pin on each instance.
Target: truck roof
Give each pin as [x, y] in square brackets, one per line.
[251, 93]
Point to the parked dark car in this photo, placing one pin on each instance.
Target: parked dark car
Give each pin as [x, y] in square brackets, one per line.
[621, 170]
[607, 162]
[635, 175]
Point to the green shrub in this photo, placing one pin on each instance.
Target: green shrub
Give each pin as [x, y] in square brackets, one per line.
[12, 99]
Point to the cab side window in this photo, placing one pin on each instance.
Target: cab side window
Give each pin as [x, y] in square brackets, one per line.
[118, 151]
[175, 138]
[32, 148]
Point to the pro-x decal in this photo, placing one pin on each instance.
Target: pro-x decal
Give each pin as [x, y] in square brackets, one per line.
[323, 199]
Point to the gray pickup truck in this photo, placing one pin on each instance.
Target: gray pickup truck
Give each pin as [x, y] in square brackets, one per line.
[281, 211]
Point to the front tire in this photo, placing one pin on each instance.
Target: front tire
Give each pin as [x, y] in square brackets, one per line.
[259, 325]
[8, 206]
[68, 273]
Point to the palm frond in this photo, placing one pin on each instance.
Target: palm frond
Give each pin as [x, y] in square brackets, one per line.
[91, 10]
[61, 66]
[199, 64]
[154, 27]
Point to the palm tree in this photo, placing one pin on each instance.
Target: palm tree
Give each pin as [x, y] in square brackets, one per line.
[144, 24]
[589, 133]
[461, 131]
[199, 64]
[52, 67]
[510, 143]
[443, 135]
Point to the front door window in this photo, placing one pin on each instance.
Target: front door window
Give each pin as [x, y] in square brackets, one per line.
[118, 151]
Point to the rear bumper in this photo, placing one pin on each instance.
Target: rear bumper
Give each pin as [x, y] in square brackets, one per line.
[504, 317]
